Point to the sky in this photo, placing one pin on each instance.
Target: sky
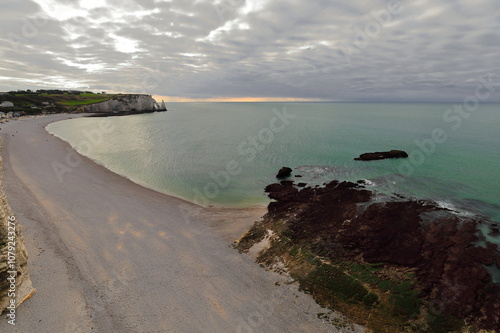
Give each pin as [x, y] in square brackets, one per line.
[253, 50]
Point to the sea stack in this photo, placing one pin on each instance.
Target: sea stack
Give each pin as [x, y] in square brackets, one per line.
[284, 173]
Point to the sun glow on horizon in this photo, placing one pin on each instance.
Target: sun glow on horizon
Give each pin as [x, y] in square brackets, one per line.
[178, 99]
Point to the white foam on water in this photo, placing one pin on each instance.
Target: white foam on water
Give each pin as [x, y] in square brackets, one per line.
[445, 204]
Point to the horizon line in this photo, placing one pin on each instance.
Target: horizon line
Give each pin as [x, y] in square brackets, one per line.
[178, 99]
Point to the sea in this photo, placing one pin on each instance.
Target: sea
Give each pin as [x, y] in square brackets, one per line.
[225, 154]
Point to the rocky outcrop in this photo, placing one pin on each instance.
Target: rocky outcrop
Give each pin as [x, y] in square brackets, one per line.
[122, 103]
[382, 155]
[284, 173]
[13, 258]
[422, 261]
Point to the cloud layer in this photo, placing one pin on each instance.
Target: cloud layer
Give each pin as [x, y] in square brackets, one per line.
[409, 50]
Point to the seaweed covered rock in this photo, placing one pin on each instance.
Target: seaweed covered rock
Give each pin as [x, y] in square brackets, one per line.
[430, 251]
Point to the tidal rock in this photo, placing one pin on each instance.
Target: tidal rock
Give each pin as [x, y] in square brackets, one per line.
[382, 155]
[450, 270]
[284, 172]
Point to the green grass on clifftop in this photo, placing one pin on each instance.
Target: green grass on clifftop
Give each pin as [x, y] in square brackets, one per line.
[85, 101]
[36, 103]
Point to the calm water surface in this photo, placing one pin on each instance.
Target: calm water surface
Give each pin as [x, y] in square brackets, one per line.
[226, 153]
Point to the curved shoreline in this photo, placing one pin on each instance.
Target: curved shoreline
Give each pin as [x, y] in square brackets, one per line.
[214, 207]
[98, 163]
[107, 253]
[232, 221]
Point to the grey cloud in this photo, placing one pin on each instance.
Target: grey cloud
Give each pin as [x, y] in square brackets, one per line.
[289, 48]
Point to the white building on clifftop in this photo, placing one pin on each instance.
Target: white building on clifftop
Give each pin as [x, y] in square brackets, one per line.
[7, 104]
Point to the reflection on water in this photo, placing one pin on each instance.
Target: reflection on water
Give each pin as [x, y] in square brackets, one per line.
[187, 152]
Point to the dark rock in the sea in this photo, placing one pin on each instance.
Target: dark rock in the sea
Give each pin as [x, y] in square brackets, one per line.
[301, 185]
[298, 176]
[450, 270]
[382, 155]
[284, 172]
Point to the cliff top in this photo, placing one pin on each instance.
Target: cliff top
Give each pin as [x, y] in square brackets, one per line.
[56, 101]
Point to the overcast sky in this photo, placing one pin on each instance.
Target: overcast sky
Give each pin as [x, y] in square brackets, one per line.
[356, 50]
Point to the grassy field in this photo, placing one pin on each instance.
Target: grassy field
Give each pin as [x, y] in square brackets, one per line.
[60, 99]
[85, 101]
[61, 102]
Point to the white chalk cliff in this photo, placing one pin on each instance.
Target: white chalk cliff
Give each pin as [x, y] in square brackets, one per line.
[121, 103]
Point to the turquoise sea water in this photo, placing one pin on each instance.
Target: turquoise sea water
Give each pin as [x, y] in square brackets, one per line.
[226, 153]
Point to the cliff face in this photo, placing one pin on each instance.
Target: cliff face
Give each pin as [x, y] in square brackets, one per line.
[121, 103]
[13, 268]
